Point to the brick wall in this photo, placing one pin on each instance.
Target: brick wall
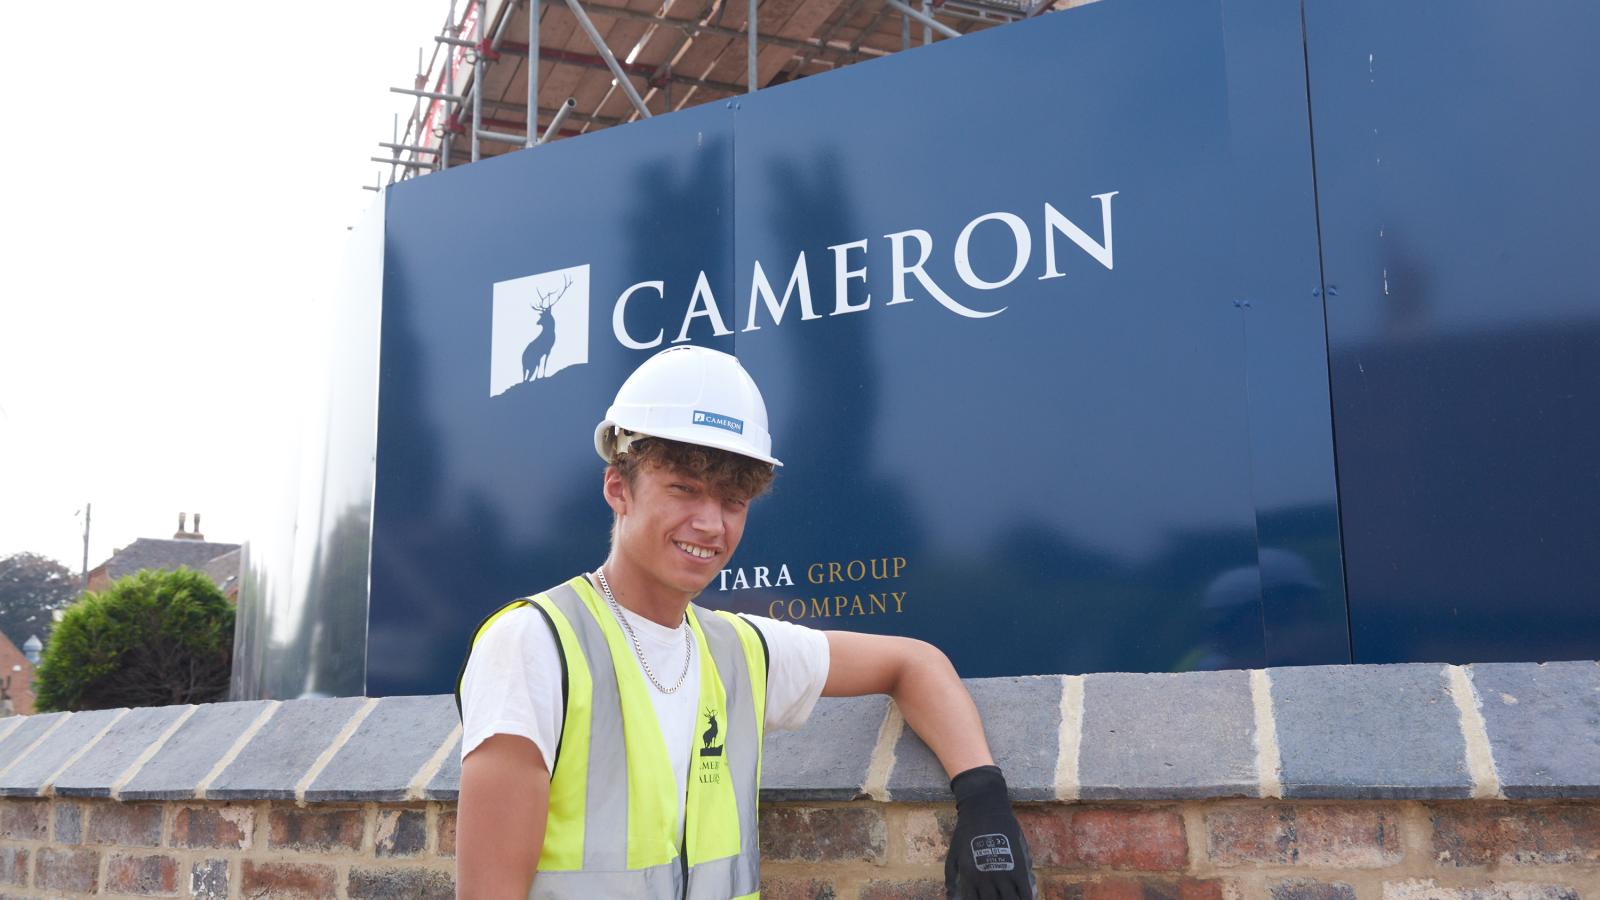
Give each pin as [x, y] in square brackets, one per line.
[1332, 783]
[1196, 850]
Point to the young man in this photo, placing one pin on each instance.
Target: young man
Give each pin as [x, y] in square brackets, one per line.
[612, 730]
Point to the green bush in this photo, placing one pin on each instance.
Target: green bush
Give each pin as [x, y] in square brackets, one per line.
[152, 638]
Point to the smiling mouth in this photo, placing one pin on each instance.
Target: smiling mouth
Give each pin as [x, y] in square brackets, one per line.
[695, 550]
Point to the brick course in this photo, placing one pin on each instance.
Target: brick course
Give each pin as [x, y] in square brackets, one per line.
[865, 850]
[68, 870]
[125, 824]
[142, 875]
[1344, 836]
[226, 826]
[316, 830]
[14, 865]
[287, 880]
[1509, 834]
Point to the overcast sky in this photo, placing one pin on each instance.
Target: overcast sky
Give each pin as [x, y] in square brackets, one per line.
[176, 186]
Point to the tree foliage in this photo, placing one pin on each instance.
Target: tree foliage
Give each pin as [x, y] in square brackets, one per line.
[32, 588]
[152, 638]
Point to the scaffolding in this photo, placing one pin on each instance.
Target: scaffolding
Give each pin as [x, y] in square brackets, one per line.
[494, 61]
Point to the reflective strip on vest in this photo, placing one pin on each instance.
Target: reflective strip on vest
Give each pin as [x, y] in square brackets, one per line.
[615, 834]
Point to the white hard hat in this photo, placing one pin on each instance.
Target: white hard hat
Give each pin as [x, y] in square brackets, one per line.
[694, 395]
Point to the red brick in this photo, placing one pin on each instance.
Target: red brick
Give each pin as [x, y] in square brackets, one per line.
[921, 889]
[1147, 840]
[228, 827]
[125, 824]
[285, 881]
[14, 865]
[318, 830]
[24, 820]
[67, 870]
[447, 834]
[1136, 839]
[1510, 834]
[1353, 836]
[798, 890]
[840, 834]
[413, 884]
[1048, 830]
[1131, 889]
[142, 875]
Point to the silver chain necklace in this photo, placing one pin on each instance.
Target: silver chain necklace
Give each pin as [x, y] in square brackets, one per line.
[688, 641]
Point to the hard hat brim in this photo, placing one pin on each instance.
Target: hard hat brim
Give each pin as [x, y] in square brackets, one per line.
[698, 437]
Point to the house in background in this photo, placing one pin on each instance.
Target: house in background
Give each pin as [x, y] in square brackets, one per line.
[16, 680]
[190, 549]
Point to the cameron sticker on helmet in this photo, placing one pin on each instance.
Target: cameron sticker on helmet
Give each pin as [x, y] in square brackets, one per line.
[540, 325]
[726, 423]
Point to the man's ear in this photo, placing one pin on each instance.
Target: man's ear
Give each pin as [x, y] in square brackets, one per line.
[615, 489]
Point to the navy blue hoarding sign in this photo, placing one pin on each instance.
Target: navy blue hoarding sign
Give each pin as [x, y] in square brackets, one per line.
[1041, 398]
[1455, 164]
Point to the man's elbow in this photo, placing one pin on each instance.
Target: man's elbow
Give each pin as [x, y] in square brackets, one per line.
[920, 662]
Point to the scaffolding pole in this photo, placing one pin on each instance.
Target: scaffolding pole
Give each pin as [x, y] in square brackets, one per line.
[405, 162]
[695, 29]
[648, 73]
[533, 73]
[449, 87]
[555, 121]
[928, 21]
[750, 46]
[477, 81]
[605, 53]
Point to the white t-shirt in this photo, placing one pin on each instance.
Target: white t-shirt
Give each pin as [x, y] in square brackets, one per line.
[512, 684]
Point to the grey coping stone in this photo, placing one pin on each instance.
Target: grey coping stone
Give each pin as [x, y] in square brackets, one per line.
[827, 758]
[446, 783]
[23, 734]
[282, 752]
[192, 752]
[1167, 737]
[1544, 726]
[387, 750]
[27, 776]
[1369, 732]
[97, 770]
[1022, 718]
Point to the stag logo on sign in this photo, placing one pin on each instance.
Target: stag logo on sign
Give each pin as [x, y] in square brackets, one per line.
[540, 326]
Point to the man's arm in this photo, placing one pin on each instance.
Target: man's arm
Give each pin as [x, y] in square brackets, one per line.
[924, 686]
[988, 856]
[505, 794]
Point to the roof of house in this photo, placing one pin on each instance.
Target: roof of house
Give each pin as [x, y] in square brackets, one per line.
[158, 553]
[224, 570]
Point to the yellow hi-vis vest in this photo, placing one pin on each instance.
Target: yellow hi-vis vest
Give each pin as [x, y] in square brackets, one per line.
[612, 829]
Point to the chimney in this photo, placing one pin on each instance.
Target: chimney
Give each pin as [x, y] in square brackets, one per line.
[184, 534]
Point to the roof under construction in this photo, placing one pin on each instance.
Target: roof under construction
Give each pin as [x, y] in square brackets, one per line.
[601, 64]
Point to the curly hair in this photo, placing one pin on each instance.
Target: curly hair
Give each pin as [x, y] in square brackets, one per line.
[726, 474]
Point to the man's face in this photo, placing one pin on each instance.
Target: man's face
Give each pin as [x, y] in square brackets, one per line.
[673, 528]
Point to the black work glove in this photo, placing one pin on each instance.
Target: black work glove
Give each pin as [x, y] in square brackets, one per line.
[988, 858]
